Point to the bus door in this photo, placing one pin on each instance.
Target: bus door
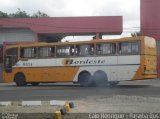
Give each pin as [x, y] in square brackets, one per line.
[11, 59]
[8, 64]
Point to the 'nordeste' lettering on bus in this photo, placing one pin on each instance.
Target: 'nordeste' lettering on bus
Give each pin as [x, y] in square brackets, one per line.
[83, 62]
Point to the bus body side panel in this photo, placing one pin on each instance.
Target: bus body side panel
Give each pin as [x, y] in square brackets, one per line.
[7, 77]
[113, 73]
[118, 68]
[64, 69]
[51, 74]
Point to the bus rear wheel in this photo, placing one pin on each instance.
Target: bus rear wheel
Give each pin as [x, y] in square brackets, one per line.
[85, 79]
[20, 80]
[100, 78]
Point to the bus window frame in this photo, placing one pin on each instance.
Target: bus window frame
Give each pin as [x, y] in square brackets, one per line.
[85, 55]
[64, 56]
[109, 54]
[15, 57]
[139, 47]
[36, 54]
[45, 57]
[11, 49]
[74, 46]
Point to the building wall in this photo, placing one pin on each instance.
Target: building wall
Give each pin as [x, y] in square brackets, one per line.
[150, 23]
[16, 35]
[150, 18]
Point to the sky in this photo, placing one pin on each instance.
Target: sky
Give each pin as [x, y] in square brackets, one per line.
[129, 9]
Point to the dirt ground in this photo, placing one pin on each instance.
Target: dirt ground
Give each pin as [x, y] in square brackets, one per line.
[95, 104]
[84, 107]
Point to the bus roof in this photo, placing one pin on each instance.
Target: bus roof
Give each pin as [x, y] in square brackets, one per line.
[78, 42]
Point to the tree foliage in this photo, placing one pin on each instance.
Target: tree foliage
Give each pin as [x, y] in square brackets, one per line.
[3, 15]
[39, 14]
[19, 14]
[22, 14]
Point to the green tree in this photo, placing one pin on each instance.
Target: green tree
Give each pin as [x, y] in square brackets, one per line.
[19, 14]
[39, 14]
[3, 15]
[22, 14]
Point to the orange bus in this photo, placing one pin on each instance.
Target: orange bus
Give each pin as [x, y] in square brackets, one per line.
[95, 62]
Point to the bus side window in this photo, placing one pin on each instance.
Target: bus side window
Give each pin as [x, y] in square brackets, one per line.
[66, 51]
[106, 49]
[124, 48]
[135, 47]
[28, 52]
[72, 51]
[119, 48]
[22, 53]
[91, 49]
[77, 50]
[52, 51]
[129, 47]
[98, 48]
[84, 50]
[44, 52]
[34, 52]
[14, 53]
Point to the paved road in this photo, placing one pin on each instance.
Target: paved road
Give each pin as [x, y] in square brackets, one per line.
[10, 92]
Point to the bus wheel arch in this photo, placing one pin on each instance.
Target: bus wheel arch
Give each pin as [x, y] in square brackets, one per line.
[85, 79]
[20, 79]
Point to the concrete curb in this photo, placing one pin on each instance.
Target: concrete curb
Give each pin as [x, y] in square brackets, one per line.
[33, 103]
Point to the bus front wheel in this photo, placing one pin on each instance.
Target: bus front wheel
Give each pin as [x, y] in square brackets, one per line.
[19, 79]
[85, 79]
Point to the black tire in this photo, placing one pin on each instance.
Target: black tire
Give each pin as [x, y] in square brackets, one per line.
[85, 79]
[35, 84]
[20, 79]
[100, 78]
